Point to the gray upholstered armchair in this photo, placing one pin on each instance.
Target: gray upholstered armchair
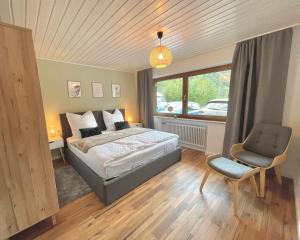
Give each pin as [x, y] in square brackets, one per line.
[265, 147]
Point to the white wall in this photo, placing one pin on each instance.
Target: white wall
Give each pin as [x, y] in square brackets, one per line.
[291, 167]
[211, 59]
[292, 109]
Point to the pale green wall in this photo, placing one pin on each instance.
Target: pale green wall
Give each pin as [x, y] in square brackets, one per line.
[54, 76]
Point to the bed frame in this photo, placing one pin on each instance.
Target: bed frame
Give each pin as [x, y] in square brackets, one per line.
[112, 189]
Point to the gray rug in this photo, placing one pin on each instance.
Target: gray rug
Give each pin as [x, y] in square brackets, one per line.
[70, 185]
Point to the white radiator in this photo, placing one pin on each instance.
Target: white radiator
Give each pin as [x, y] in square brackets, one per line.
[190, 136]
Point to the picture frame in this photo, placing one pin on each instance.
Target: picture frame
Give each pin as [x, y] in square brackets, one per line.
[74, 89]
[116, 90]
[97, 89]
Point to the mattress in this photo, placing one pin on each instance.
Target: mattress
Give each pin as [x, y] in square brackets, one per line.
[111, 169]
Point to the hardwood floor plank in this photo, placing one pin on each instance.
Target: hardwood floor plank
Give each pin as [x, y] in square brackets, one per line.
[170, 206]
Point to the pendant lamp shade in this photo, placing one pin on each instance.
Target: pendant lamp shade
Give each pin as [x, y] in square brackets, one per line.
[161, 56]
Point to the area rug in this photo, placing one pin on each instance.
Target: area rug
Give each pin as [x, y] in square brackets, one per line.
[70, 185]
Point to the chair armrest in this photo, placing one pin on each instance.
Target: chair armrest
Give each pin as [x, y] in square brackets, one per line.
[235, 148]
[279, 159]
[282, 157]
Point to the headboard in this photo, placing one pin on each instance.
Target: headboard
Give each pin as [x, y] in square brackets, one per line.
[66, 129]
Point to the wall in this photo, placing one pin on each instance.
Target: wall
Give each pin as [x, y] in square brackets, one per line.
[292, 117]
[211, 59]
[54, 76]
[291, 107]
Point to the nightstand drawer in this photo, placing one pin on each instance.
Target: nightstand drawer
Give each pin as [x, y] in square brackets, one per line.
[56, 144]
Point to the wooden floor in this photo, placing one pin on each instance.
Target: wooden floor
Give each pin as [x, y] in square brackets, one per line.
[169, 206]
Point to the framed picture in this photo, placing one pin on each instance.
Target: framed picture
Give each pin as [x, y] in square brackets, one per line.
[116, 90]
[97, 89]
[74, 89]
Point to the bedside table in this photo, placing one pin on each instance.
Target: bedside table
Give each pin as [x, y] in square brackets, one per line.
[135, 124]
[57, 143]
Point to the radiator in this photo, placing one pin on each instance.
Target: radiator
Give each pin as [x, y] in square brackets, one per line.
[190, 136]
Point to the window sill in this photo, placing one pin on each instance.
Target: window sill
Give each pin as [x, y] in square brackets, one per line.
[196, 119]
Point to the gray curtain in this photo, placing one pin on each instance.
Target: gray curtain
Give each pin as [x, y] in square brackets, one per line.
[145, 97]
[257, 85]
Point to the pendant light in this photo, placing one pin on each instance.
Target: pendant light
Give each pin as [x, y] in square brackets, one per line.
[161, 56]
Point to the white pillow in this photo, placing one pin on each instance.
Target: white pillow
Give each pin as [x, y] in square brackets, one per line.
[77, 122]
[111, 118]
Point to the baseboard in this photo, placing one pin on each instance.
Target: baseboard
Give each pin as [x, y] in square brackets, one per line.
[190, 146]
[210, 153]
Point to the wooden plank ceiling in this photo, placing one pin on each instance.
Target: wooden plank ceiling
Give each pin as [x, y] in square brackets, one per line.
[119, 34]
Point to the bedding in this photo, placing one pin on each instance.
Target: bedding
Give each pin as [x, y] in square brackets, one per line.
[88, 132]
[121, 125]
[85, 144]
[111, 159]
[111, 118]
[76, 122]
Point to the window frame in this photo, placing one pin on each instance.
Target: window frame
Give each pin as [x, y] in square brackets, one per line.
[185, 76]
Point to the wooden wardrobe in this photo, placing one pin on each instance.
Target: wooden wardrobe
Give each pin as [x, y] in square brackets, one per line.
[27, 185]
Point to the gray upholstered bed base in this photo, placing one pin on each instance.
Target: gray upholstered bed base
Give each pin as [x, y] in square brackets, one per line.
[111, 190]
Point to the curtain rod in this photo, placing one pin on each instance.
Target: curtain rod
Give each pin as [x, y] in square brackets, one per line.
[262, 34]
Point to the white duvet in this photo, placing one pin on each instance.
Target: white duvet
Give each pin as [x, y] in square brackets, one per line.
[110, 152]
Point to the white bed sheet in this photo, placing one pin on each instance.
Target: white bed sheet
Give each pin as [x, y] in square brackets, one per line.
[115, 168]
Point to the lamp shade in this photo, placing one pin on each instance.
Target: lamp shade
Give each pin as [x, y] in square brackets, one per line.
[160, 57]
[52, 131]
[129, 119]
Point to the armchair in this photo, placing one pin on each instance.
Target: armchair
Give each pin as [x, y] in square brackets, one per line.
[265, 147]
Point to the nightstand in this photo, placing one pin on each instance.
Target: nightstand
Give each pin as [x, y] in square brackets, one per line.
[57, 143]
[135, 124]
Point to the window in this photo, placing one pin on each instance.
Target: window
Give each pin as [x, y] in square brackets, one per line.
[210, 92]
[200, 94]
[169, 96]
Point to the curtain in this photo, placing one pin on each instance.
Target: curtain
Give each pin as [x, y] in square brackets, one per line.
[145, 97]
[257, 84]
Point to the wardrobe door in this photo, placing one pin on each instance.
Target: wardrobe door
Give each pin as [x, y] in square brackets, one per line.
[27, 185]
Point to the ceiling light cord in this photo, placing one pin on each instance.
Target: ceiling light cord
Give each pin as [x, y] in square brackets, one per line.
[160, 35]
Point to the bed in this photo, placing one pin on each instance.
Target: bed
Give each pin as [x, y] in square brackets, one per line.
[113, 179]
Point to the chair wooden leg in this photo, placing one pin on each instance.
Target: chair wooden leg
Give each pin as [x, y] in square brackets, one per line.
[262, 179]
[278, 174]
[204, 180]
[254, 185]
[234, 190]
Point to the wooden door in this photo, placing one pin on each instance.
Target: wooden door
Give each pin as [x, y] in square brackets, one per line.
[27, 185]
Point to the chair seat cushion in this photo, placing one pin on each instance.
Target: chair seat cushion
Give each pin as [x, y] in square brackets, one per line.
[229, 168]
[254, 159]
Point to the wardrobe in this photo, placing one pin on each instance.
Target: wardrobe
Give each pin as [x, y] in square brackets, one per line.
[27, 185]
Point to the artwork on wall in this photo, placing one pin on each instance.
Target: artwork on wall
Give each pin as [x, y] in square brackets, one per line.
[74, 89]
[116, 90]
[97, 89]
